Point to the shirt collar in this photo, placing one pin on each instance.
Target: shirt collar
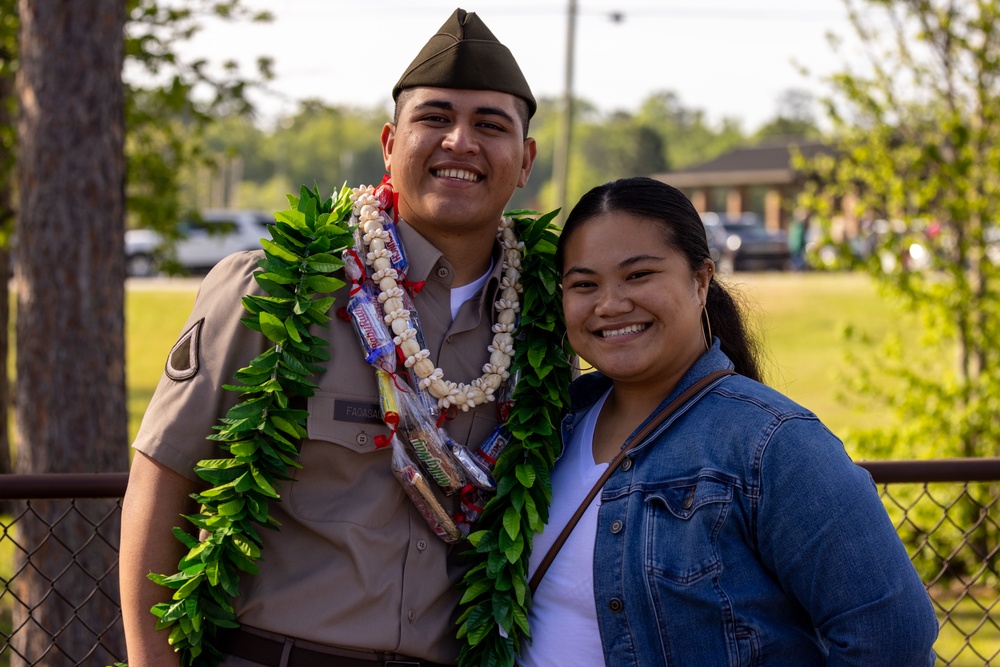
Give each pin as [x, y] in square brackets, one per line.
[421, 255]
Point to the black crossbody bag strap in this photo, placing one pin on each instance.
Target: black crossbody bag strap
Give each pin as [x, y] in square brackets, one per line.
[613, 465]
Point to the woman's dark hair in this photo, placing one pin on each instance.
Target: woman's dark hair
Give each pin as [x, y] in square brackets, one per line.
[684, 231]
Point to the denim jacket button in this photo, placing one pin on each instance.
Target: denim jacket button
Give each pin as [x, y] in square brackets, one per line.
[615, 605]
[627, 463]
[616, 527]
[689, 501]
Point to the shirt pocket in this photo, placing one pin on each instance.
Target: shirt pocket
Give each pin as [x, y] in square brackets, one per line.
[349, 420]
[343, 477]
[683, 520]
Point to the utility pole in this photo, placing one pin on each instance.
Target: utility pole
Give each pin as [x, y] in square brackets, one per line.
[561, 162]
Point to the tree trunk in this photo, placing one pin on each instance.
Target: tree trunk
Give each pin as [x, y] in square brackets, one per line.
[70, 410]
[7, 106]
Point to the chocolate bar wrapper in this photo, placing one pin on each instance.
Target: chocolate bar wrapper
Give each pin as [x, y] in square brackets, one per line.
[433, 455]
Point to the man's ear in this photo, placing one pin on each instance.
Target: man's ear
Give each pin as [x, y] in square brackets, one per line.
[530, 151]
[388, 139]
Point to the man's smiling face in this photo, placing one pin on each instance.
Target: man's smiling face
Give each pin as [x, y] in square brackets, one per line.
[456, 157]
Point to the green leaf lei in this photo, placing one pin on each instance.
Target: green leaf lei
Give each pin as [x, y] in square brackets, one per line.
[495, 599]
[262, 432]
[262, 435]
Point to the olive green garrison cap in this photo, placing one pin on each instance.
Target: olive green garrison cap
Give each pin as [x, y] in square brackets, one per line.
[465, 54]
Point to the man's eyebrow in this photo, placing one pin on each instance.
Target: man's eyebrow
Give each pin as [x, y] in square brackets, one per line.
[494, 111]
[435, 104]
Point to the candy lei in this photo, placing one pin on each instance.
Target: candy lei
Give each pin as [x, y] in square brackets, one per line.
[260, 435]
[369, 212]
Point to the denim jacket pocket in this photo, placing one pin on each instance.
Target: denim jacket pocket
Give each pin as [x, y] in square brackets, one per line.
[683, 519]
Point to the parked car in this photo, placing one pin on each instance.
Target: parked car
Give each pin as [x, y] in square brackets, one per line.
[743, 243]
[201, 243]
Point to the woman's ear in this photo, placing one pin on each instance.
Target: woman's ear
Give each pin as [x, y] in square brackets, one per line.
[703, 276]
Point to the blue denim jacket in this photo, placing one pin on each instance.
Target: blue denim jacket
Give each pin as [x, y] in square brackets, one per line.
[740, 533]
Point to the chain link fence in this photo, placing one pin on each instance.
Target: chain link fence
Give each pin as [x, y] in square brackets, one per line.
[59, 557]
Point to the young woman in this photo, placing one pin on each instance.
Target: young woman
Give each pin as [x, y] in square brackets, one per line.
[738, 532]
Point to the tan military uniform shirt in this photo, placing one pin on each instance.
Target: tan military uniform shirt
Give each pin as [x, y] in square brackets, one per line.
[354, 564]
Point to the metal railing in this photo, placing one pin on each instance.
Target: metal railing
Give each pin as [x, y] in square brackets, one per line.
[59, 566]
[59, 541]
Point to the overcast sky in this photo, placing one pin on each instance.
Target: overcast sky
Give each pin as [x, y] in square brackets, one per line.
[730, 58]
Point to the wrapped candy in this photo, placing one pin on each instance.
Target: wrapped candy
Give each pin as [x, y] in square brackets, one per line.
[414, 319]
[505, 396]
[477, 476]
[420, 492]
[388, 404]
[394, 245]
[488, 452]
[471, 501]
[376, 341]
[417, 428]
[433, 454]
[354, 266]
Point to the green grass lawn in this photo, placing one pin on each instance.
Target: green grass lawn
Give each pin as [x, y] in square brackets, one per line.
[801, 316]
[154, 317]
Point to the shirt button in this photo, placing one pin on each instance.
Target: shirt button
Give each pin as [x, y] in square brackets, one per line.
[627, 463]
[411, 615]
[616, 527]
[442, 272]
[362, 439]
[421, 545]
[615, 605]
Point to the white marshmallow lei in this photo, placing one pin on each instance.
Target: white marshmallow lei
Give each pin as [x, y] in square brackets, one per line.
[368, 214]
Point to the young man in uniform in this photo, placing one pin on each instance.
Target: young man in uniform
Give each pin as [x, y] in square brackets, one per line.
[355, 576]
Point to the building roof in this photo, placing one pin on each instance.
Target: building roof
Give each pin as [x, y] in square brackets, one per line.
[762, 164]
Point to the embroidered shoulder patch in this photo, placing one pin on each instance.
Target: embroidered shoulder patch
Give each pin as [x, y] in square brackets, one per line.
[182, 362]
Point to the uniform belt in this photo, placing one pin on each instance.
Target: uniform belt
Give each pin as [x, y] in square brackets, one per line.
[266, 651]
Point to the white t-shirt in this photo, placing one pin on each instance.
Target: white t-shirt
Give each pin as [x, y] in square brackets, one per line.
[563, 615]
[463, 293]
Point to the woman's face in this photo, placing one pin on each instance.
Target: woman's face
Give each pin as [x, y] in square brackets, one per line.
[632, 304]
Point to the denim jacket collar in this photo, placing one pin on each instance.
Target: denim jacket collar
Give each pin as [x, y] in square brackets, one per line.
[588, 388]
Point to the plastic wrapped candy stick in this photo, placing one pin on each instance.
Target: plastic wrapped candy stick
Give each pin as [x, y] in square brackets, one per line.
[420, 492]
[376, 341]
